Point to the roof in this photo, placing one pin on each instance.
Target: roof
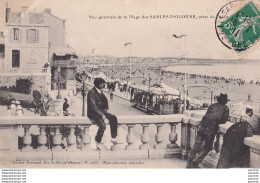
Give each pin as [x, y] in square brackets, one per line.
[61, 50]
[14, 17]
[157, 91]
[170, 89]
[36, 18]
[52, 15]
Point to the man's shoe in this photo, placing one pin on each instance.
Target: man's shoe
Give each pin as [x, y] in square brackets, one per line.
[115, 141]
[100, 146]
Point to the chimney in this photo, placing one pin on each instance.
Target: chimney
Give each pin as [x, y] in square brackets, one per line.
[7, 13]
[48, 10]
[24, 9]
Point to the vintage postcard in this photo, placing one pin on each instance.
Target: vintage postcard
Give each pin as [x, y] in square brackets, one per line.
[129, 84]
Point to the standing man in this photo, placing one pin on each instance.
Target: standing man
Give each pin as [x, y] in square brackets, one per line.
[111, 95]
[216, 114]
[98, 112]
[65, 107]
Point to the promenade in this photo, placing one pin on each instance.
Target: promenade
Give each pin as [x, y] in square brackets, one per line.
[120, 106]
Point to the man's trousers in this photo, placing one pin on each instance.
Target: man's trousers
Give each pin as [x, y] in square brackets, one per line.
[102, 126]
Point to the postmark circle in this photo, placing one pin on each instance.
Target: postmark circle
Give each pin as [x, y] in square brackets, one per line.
[225, 12]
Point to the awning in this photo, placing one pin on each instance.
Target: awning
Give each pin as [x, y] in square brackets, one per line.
[61, 50]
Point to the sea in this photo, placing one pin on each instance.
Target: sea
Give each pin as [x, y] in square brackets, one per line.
[245, 70]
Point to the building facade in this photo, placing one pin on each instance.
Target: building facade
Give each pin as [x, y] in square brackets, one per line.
[60, 54]
[25, 51]
[33, 49]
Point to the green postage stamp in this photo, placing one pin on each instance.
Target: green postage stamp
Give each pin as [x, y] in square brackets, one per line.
[242, 29]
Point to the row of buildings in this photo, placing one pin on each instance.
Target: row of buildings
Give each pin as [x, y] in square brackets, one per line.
[32, 48]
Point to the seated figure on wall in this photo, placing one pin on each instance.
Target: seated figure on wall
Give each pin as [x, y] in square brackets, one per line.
[233, 152]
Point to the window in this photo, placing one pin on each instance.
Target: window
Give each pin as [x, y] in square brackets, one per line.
[2, 48]
[16, 34]
[32, 59]
[15, 58]
[32, 37]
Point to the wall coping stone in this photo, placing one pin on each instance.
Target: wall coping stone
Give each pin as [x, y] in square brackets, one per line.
[253, 142]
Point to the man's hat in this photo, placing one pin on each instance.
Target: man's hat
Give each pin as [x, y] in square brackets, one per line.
[65, 99]
[222, 98]
[98, 81]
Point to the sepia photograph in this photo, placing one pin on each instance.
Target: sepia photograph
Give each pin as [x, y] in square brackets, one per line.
[130, 84]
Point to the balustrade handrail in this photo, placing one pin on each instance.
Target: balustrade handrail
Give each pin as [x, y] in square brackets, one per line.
[25, 70]
[238, 116]
[70, 120]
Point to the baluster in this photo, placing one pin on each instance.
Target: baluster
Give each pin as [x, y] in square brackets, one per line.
[86, 138]
[145, 137]
[159, 137]
[72, 141]
[27, 139]
[119, 145]
[172, 137]
[130, 138]
[57, 139]
[42, 138]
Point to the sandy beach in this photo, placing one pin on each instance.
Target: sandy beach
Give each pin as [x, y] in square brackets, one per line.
[247, 92]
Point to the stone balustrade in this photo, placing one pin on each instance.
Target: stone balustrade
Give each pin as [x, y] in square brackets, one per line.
[152, 133]
[55, 151]
[19, 71]
[237, 118]
[254, 144]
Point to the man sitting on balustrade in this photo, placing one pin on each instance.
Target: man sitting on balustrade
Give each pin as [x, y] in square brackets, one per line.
[216, 114]
[98, 112]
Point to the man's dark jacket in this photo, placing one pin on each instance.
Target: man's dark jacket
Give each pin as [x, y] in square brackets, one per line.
[97, 104]
[216, 114]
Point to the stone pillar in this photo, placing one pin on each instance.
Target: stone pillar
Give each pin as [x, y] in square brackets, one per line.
[86, 138]
[48, 80]
[27, 139]
[72, 141]
[42, 139]
[254, 144]
[9, 142]
[58, 107]
[130, 138]
[185, 140]
[159, 137]
[57, 139]
[145, 137]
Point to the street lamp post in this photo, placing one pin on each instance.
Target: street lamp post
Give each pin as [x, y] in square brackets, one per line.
[149, 79]
[58, 96]
[185, 77]
[130, 50]
[83, 90]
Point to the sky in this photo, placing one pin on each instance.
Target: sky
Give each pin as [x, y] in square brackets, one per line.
[149, 37]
